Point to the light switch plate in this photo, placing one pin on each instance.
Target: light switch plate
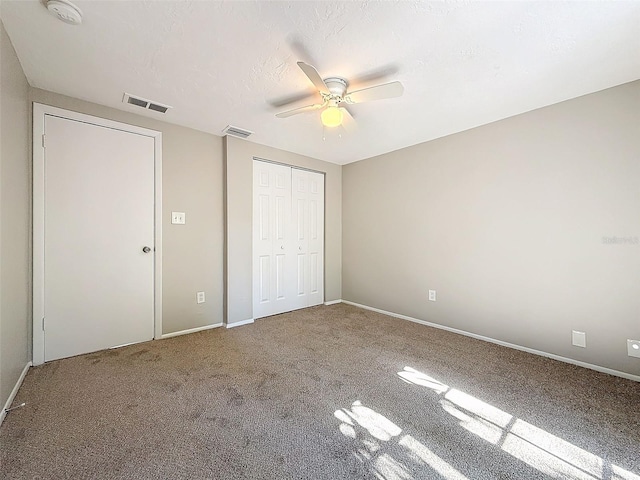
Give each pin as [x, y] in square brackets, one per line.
[200, 297]
[432, 295]
[633, 348]
[178, 218]
[579, 339]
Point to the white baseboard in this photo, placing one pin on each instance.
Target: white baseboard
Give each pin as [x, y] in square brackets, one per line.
[240, 323]
[190, 330]
[598, 368]
[14, 392]
[333, 302]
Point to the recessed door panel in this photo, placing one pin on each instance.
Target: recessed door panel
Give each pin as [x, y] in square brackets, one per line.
[265, 278]
[313, 219]
[300, 274]
[281, 277]
[263, 217]
[300, 214]
[281, 222]
[313, 273]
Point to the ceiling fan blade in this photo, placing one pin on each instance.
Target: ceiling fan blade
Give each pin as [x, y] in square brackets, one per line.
[294, 98]
[378, 92]
[295, 111]
[371, 76]
[314, 76]
[348, 122]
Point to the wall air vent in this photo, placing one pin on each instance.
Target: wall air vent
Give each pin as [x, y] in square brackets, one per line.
[236, 132]
[144, 103]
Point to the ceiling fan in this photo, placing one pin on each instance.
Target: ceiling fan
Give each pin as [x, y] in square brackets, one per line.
[333, 91]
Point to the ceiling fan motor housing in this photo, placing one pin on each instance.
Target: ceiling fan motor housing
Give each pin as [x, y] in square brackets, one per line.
[337, 86]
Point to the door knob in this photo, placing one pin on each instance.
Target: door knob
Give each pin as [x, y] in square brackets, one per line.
[146, 249]
[281, 247]
[299, 248]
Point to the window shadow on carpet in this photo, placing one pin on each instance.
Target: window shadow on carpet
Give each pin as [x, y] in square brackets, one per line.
[391, 452]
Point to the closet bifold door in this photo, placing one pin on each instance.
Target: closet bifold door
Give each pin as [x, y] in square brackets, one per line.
[307, 221]
[272, 290]
[288, 238]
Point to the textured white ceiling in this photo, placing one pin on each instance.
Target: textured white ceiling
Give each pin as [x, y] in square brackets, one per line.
[218, 63]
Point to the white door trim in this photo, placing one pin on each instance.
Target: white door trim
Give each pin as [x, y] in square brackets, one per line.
[39, 113]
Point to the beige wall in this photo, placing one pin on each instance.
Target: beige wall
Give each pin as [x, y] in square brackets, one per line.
[15, 220]
[239, 214]
[506, 222]
[192, 182]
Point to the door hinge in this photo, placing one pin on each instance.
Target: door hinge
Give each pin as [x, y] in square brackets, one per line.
[44, 141]
[42, 323]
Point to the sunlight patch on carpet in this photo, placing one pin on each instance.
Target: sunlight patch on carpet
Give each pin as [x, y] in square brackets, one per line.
[359, 421]
[378, 426]
[538, 448]
[428, 457]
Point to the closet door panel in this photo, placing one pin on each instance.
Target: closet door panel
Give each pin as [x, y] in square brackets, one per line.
[300, 225]
[271, 239]
[288, 239]
[315, 246]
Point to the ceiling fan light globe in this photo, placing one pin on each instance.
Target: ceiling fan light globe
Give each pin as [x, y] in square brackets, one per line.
[331, 117]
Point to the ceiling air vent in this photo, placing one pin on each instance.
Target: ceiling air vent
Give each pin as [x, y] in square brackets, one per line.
[158, 108]
[236, 132]
[144, 103]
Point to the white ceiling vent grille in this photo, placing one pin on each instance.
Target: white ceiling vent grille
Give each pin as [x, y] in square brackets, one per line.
[236, 132]
[144, 103]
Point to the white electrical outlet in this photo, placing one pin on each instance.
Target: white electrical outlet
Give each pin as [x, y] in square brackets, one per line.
[178, 218]
[633, 348]
[579, 339]
[200, 297]
[432, 295]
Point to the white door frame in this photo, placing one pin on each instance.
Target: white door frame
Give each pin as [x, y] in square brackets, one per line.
[40, 111]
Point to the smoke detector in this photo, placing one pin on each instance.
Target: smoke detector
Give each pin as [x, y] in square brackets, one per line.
[65, 11]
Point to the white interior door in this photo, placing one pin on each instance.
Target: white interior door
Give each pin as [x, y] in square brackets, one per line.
[272, 286]
[98, 218]
[308, 226]
[288, 239]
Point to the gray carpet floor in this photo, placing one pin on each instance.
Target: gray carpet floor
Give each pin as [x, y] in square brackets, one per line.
[325, 393]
